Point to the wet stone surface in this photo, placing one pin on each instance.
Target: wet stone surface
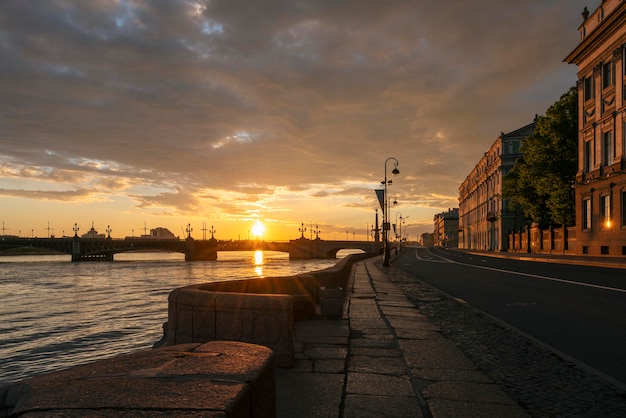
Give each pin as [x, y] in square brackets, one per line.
[541, 382]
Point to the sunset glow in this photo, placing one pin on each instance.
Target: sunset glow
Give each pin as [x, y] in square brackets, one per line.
[245, 110]
[258, 230]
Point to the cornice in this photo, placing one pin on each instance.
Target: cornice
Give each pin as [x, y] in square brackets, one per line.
[612, 24]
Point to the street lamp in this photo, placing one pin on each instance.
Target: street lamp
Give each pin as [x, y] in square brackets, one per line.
[386, 225]
[402, 220]
[398, 231]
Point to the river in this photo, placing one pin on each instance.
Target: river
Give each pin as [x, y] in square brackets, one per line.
[56, 314]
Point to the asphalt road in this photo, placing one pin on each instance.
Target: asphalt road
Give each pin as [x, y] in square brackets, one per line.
[579, 311]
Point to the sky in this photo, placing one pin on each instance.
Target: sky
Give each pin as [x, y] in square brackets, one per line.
[132, 115]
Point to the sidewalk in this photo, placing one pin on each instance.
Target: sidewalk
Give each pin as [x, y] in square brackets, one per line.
[581, 260]
[383, 358]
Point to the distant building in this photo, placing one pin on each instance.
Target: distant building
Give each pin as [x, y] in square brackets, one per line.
[426, 239]
[92, 233]
[160, 233]
[446, 229]
[485, 217]
[600, 187]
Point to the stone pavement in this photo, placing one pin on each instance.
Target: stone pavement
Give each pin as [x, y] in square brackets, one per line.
[383, 358]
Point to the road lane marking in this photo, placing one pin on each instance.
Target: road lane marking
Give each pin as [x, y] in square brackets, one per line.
[536, 276]
[431, 259]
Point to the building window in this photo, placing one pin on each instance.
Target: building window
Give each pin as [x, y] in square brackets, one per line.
[605, 211]
[587, 213]
[589, 88]
[607, 74]
[624, 134]
[607, 148]
[587, 157]
[623, 207]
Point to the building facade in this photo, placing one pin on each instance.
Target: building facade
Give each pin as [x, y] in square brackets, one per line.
[485, 218]
[600, 186]
[446, 229]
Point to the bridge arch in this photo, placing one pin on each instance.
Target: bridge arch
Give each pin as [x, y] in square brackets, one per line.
[88, 249]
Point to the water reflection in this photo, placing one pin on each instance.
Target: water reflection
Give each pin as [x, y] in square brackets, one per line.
[57, 314]
[258, 263]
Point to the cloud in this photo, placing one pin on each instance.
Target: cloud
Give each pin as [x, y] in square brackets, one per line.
[202, 97]
[65, 196]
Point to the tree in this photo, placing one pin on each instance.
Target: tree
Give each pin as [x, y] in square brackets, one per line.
[540, 182]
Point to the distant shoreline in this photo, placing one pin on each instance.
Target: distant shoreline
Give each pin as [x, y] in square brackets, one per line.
[28, 251]
[44, 251]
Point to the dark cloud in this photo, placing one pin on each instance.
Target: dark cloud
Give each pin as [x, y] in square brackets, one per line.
[64, 196]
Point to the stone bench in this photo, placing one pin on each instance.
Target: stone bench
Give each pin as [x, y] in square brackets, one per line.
[218, 378]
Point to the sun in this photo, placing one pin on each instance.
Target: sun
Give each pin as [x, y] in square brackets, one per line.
[258, 229]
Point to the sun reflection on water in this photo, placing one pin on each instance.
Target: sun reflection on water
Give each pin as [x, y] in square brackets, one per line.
[258, 263]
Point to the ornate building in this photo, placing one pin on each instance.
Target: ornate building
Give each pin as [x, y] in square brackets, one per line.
[446, 229]
[484, 217]
[600, 186]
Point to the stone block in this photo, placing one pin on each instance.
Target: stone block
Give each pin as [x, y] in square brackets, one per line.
[331, 301]
[259, 319]
[213, 379]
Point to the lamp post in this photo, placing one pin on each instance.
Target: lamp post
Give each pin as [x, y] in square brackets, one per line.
[402, 220]
[386, 225]
[398, 231]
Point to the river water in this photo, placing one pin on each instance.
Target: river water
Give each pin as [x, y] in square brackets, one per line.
[55, 314]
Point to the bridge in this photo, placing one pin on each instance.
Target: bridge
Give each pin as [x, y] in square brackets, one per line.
[103, 249]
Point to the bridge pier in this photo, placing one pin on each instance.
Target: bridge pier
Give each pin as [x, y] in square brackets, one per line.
[76, 250]
[200, 250]
[303, 248]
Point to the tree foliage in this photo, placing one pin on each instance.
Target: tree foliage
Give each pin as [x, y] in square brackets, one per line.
[540, 182]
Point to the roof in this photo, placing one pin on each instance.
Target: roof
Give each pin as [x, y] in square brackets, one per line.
[612, 23]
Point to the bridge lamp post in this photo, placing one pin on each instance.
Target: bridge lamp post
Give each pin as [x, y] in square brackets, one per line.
[302, 230]
[386, 225]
